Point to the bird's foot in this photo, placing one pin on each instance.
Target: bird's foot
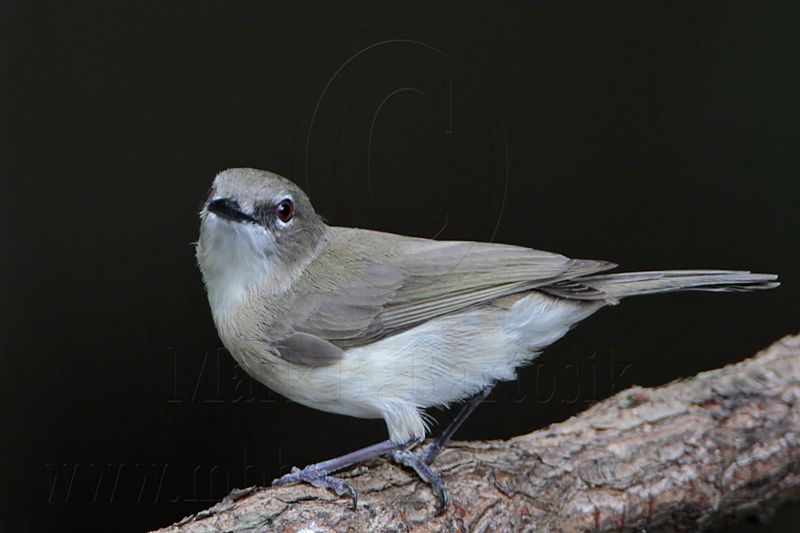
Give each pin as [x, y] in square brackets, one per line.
[320, 479]
[419, 461]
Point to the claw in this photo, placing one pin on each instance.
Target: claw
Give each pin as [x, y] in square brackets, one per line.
[418, 461]
[338, 485]
[318, 479]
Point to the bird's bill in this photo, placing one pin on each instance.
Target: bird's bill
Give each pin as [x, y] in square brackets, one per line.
[229, 210]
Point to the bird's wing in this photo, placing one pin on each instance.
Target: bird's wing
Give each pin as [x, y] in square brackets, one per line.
[308, 350]
[367, 285]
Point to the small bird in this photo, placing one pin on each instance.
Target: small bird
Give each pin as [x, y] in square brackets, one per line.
[378, 325]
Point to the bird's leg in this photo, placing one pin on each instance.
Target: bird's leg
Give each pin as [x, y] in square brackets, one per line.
[318, 474]
[434, 449]
[421, 461]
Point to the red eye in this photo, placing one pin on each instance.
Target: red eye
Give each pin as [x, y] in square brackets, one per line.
[285, 210]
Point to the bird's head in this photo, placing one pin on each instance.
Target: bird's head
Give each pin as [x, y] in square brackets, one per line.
[255, 227]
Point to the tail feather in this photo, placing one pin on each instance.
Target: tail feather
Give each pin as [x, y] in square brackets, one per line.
[615, 286]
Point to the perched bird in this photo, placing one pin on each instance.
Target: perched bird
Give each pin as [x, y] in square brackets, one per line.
[378, 325]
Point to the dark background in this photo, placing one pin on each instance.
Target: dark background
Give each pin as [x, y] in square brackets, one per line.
[654, 136]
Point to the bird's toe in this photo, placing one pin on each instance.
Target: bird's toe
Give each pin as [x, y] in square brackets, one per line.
[418, 461]
[319, 479]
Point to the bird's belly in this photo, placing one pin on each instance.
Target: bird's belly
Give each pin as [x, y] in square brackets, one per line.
[441, 361]
[454, 356]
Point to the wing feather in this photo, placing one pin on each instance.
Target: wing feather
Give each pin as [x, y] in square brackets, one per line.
[366, 285]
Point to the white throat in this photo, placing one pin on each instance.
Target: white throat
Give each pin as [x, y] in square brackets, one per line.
[233, 258]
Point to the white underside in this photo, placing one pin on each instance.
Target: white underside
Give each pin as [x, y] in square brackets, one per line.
[442, 361]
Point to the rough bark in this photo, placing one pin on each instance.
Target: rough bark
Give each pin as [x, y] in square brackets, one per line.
[685, 456]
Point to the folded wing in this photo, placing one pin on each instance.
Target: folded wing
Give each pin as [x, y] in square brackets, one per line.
[367, 285]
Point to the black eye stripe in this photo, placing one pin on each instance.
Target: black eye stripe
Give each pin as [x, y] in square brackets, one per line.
[269, 212]
[229, 209]
[264, 210]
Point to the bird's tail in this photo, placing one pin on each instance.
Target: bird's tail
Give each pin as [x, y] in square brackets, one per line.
[612, 287]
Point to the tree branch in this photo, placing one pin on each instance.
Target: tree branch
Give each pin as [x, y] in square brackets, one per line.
[693, 453]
